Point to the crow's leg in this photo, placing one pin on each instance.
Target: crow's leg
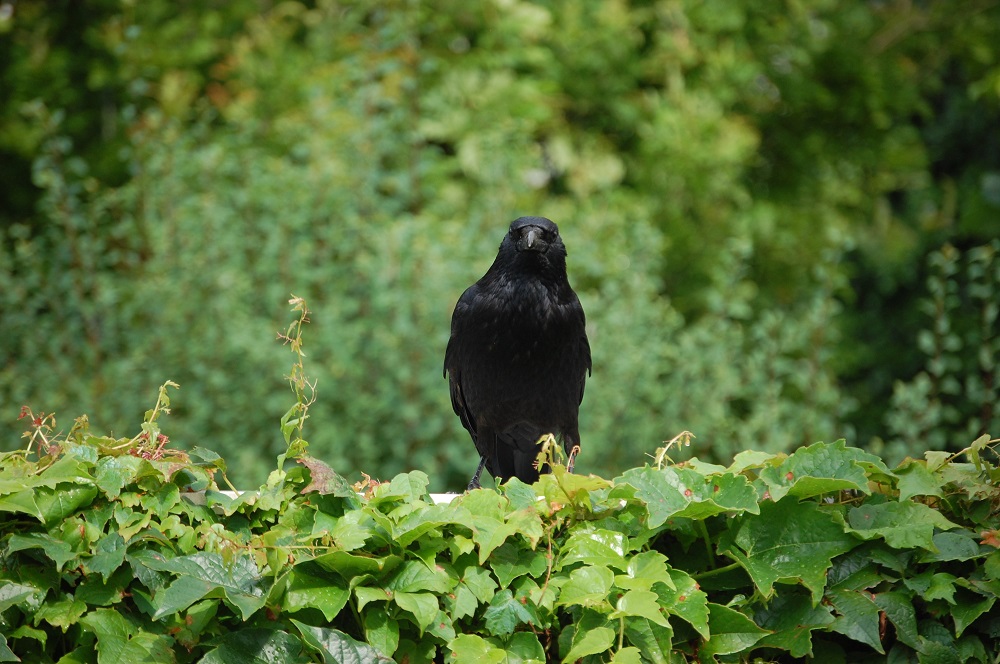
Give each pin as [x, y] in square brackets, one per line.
[572, 458]
[474, 482]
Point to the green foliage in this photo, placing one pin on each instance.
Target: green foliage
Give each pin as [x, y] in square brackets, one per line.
[748, 194]
[957, 394]
[126, 549]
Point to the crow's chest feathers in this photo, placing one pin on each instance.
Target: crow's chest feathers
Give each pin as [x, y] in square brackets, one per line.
[528, 323]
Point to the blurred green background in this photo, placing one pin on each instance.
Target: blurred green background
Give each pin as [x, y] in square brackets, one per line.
[781, 216]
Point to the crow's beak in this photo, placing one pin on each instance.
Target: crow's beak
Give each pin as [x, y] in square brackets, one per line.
[532, 239]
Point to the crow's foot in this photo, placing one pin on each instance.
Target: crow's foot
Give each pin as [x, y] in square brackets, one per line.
[474, 482]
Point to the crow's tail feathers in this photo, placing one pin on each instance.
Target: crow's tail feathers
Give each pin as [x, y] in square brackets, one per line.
[508, 462]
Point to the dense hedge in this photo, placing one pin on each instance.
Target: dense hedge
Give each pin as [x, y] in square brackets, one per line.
[107, 555]
[781, 216]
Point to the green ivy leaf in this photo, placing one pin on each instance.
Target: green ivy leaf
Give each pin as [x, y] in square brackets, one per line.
[411, 487]
[749, 459]
[335, 646]
[590, 642]
[528, 524]
[112, 474]
[603, 548]
[486, 513]
[463, 602]
[792, 618]
[29, 632]
[674, 491]
[61, 613]
[562, 488]
[789, 540]
[472, 649]
[430, 518]
[684, 599]
[968, 607]
[56, 550]
[349, 565]
[937, 652]
[161, 500]
[854, 570]
[416, 576]
[640, 604]
[629, 655]
[506, 612]
[732, 632]
[510, 562]
[587, 586]
[486, 502]
[643, 570]
[442, 627]
[202, 573]
[521, 496]
[181, 594]
[955, 545]
[68, 469]
[931, 585]
[55, 504]
[423, 652]
[312, 587]
[898, 607]
[366, 595]
[23, 502]
[109, 554]
[903, 525]
[348, 532]
[489, 534]
[475, 585]
[12, 593]
[654, 640]
[459, 545]
[541, 598]
[381, 631]
[916, 480]
[6, 654]
[256, 646]
[119, 640]
[821, 468]
[524, 648]
[131, 522]
[196, 620]
[207, 458]
[858, 617]
[423, 606]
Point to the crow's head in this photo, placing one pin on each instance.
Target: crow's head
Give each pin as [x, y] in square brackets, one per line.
[535, 235]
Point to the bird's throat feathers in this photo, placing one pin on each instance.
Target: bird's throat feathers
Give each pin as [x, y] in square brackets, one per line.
[531, 307]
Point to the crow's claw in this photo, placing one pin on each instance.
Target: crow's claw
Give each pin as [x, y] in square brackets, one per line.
[474, 482]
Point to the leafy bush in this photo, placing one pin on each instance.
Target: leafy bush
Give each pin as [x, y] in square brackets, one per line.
[110, 553]
[957, 393]
[228, 226]
[748, 194]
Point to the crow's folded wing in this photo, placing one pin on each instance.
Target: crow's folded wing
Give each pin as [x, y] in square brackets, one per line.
[455, 359]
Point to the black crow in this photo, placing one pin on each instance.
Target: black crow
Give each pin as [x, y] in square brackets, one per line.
[518, 356]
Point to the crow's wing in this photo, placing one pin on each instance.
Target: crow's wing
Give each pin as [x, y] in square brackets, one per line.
[583, 345]
[455, 357]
